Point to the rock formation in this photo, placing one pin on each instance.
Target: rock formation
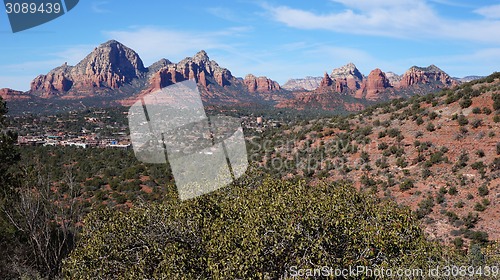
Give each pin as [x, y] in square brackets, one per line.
[376, 83]
[307, 83]
[428, 75]
[8, 94]
[110, 66]
[260, 84]
[347, 77]
[326, 81]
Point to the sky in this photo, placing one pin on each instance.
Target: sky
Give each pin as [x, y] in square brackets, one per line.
[277, 39]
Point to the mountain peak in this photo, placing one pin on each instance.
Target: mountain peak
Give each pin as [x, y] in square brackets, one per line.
[201, 55]
[111, 42]
[426, 75]
[430, 68]
[347, 71]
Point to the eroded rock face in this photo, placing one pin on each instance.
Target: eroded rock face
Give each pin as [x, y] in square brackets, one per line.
[393, 78]
[347, 77]
[260, 84]
[307, 83]
[428, 75]
[326, 81]
[198, 68]
[8, 94]
[111, 65]
[56, 81]
[376, 83]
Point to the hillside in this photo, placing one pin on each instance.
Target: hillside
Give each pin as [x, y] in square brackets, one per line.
[438, 153]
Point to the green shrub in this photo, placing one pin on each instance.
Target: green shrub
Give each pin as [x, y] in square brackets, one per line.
[249, 233]
[479, 207]
[406, 185]
[483, 190]
[462, 120]
[496, 101]
[465, 103]
[476, 110]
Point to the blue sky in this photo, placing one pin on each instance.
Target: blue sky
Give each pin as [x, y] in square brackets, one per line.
[278, 39]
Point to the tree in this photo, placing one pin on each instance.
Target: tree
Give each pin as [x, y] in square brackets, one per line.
[9, 155]
[45, 221]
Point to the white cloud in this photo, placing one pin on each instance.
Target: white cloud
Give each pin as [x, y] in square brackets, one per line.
[73, 54]
[413, 19]
[98, 7]
[491, 12]
[224, 13]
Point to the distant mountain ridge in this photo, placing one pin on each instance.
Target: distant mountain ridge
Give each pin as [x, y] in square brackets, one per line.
[347, 81]
[113, 71]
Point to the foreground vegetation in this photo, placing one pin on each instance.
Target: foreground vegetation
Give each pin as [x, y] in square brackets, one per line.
[252, 231]
[94, 213]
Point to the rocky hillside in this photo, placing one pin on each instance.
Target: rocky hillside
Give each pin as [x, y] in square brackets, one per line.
[438, 154]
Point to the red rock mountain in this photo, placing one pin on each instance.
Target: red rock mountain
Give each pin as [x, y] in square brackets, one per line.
[109, 67]
[115, 72]
[376, 83]
[11, 95]
[260, 84]
[429, 75]
[199, 68]
[349, 82]
[307, 83]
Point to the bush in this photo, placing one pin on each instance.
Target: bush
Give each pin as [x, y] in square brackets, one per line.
[476, 123]
[462, 120]
[483, 190]
[458, 242]
[406, 185]
[383, 146]
[496, 101]
[479, 207]
[476, 110]
[426, 173]
[430, 127]
[433, 115]
[478, 165]
[480, 153]
[393, 132]
[453, 190]
[465, 103]
[248, 233]
[470, 220]
[459, 204]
